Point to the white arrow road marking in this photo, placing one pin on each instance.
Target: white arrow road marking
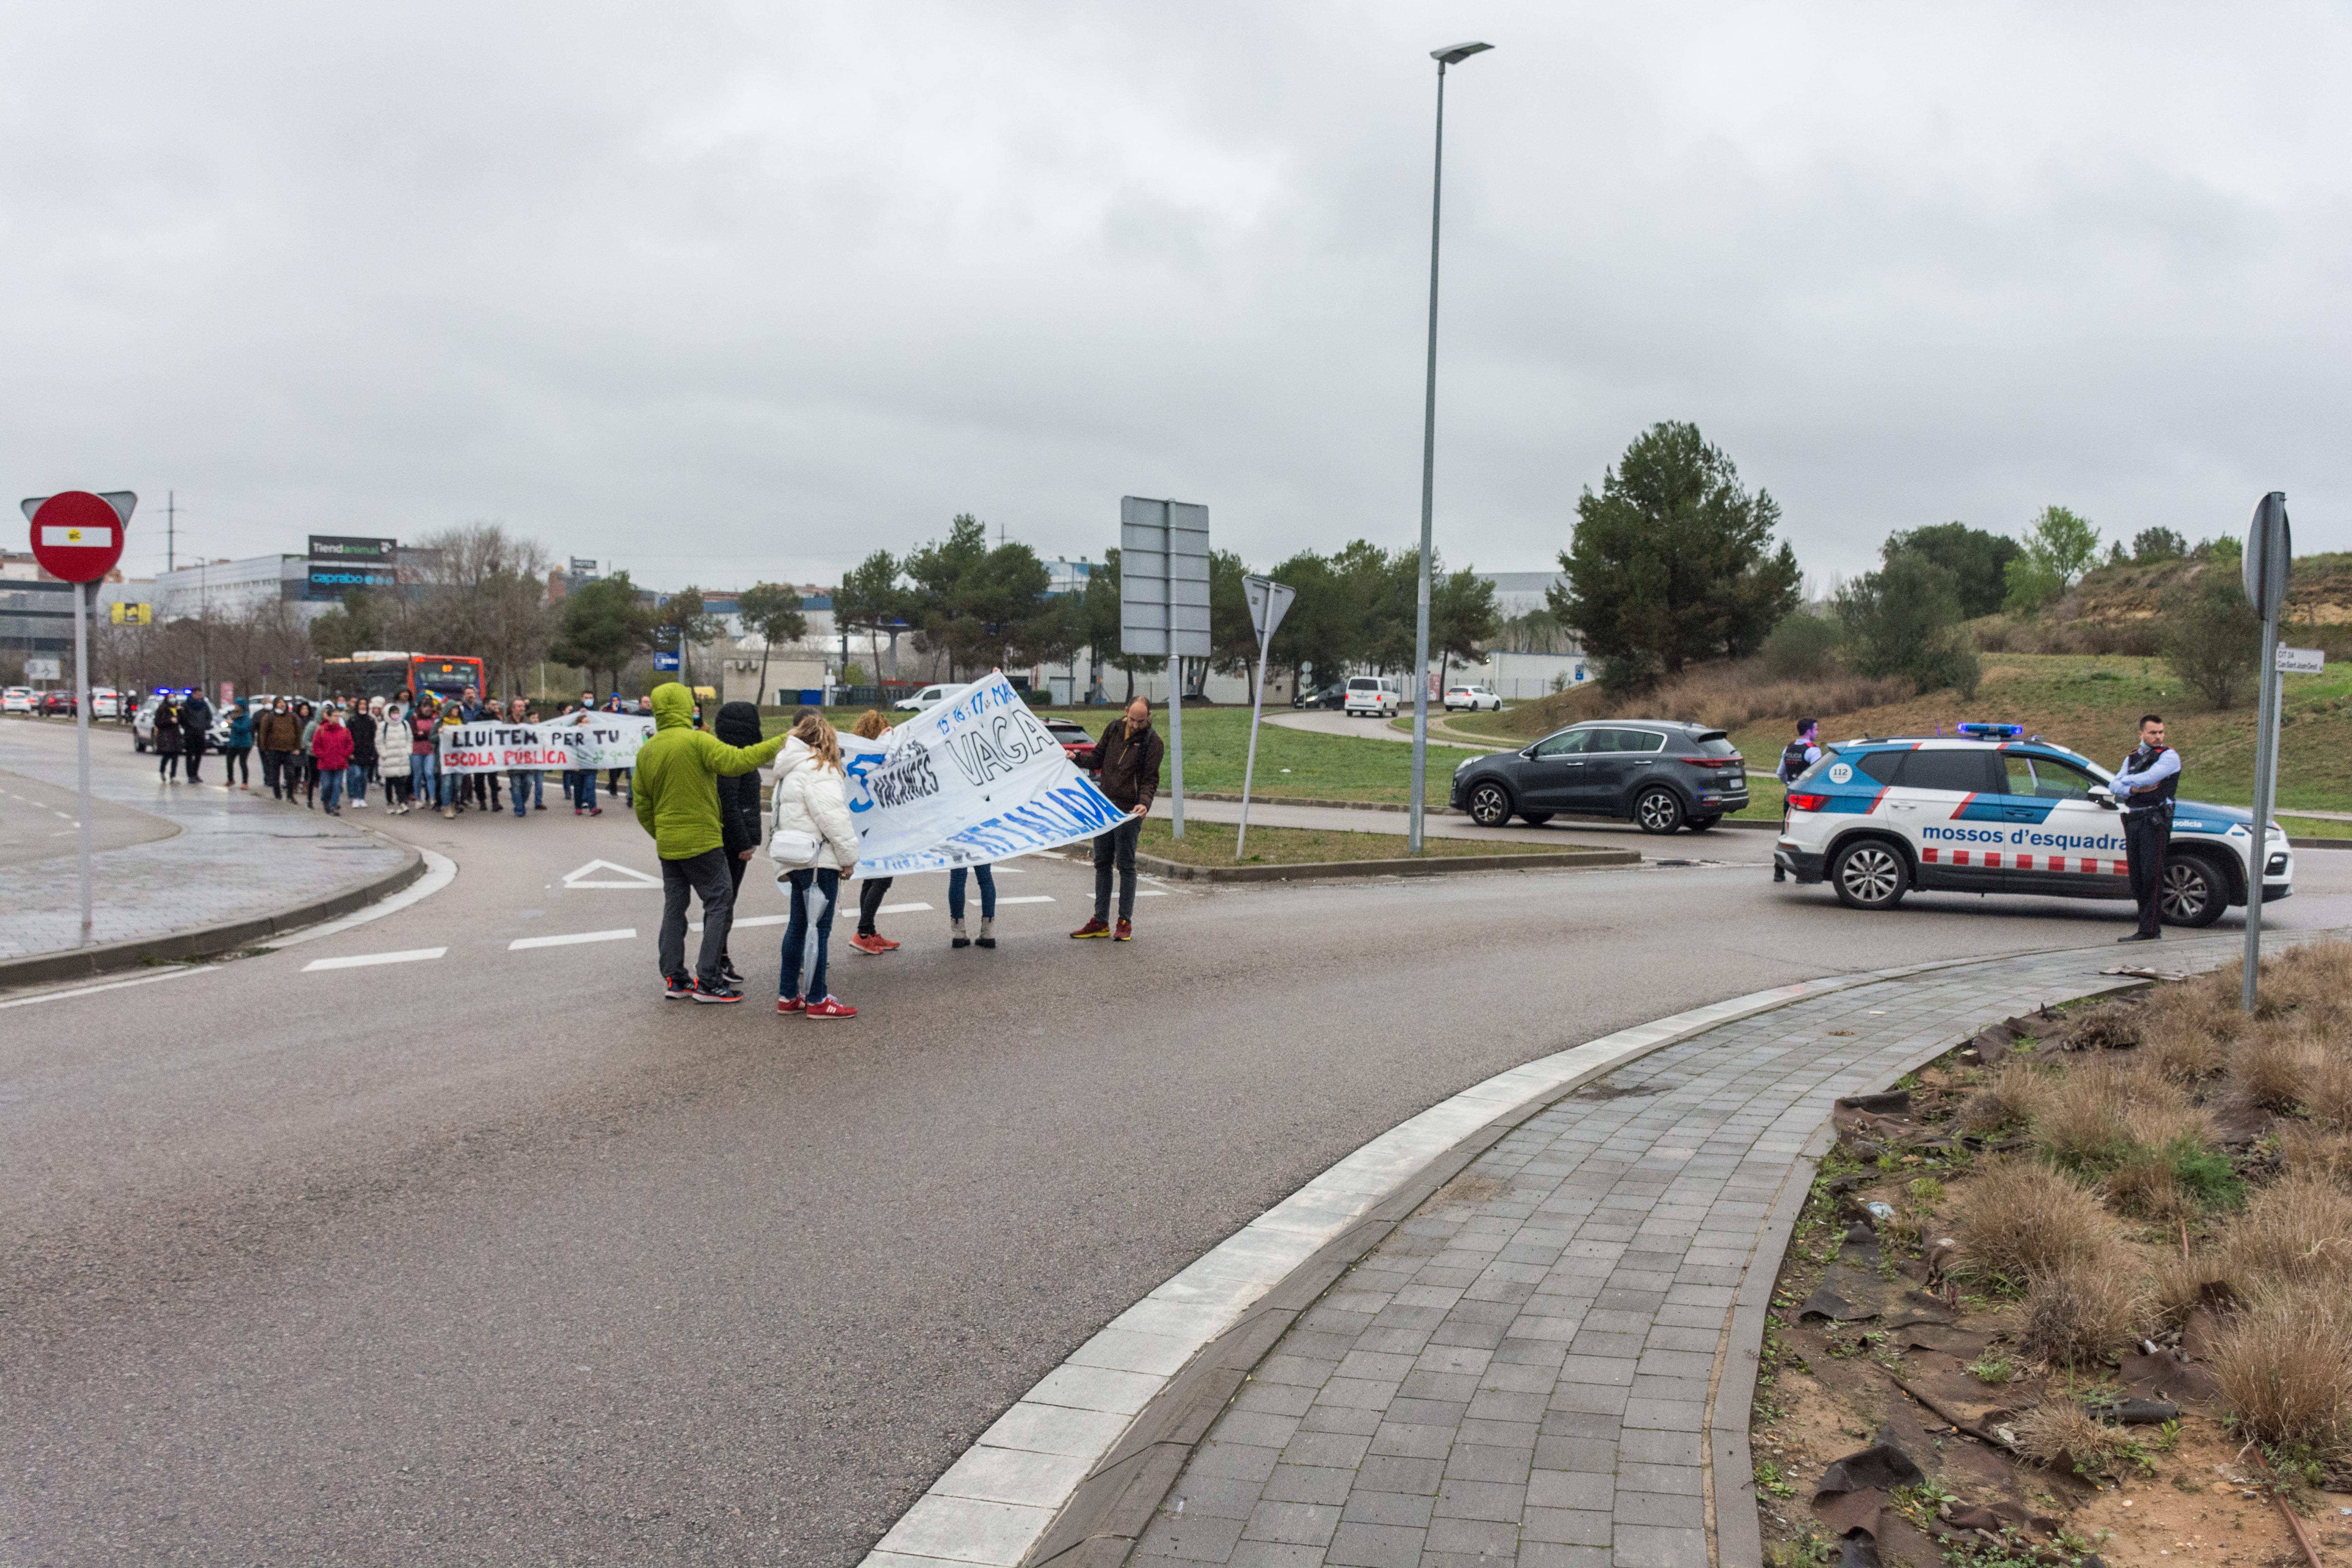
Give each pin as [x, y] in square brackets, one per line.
[571, 938]
[586, 877]
[363, 959]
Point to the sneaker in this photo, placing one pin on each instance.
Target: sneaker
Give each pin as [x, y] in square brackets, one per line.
[577, 812]
[715, 990]
[678, 988]
[886, 942]
[791, 1005]
[831, 1007]
[729, 973]
[1092, 928]
[873, 946]
[539, 806]
[1126, 931]
[595, 811]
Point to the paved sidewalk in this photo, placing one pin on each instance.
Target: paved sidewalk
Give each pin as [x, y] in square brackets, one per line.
[1531, 1369]
[183, 856]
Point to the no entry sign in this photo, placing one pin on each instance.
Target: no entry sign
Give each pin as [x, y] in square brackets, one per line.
[78, 536]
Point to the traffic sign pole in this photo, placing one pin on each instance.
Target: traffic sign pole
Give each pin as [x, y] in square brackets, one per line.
[2270, 555]
[83, 593]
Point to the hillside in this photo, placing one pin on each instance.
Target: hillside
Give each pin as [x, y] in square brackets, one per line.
[2119, 609]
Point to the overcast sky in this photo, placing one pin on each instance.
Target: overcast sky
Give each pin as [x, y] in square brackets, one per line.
[725, 292]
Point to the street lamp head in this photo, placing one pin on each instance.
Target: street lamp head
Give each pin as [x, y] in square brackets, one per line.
[1457, 54]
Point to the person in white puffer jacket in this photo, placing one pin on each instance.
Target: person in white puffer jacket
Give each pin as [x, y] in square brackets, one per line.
[813, 840]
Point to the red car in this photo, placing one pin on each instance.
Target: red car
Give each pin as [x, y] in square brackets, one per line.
[1076, 744]
[56, 704]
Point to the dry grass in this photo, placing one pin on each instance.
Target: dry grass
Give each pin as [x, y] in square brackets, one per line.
[2270, 1068]
[2007, 1097]
[2186, 1031]
[2020, 1218]
[2327, 1096]
[2183, 1284]
[1722, 696]
[2083, 1308]
[2313, 979]
[2058, 1431]
[2110, 1027]
[2284, 1361]
[2297, 1231]
[2323, 1153]
[2106, 1118]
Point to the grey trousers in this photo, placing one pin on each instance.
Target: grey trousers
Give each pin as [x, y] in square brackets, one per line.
[1116, 845]
[704, 875]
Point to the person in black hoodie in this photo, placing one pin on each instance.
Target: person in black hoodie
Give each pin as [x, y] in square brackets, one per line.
[196, 728]
[740, 815]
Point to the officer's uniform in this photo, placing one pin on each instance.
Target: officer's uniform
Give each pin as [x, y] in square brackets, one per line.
[1795, 758]
[2152, 779]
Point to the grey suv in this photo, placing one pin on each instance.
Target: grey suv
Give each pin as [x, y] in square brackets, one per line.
[1659, 774]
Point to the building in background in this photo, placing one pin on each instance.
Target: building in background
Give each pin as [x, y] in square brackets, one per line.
[36, 610]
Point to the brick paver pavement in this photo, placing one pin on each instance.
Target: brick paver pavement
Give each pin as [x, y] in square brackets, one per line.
[1525, 1371]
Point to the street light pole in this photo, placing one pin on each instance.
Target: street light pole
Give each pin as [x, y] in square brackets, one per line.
[1447, 56]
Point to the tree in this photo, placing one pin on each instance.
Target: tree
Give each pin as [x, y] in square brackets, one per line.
[2150, 545]
[868, 600]
[1798, 648]
[1233, 642]
[1673, 562]
[603, 626]
[774, 611]
[359, 621]
[2213, 638]
[1976, 558]
[1463, 617]
[480, 590]
[1316, 633]
[1903, 620]
[2060, 546]
[682, 621]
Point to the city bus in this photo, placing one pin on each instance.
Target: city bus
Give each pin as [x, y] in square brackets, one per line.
[374, 672]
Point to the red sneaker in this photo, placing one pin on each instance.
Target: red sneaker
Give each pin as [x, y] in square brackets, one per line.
[1126, 931]
[791, 1005]
[1092, 928]
[887, 943]
[831, 1007]
[872, 946]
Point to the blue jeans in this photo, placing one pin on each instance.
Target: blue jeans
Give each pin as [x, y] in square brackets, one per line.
[425, 779]
[355, 784]
[583, 790]
[821, 888]
[527, 786]
[330, 787]
[987, 893]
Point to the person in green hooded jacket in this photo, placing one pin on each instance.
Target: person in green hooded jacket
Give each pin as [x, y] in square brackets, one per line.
[676, 799]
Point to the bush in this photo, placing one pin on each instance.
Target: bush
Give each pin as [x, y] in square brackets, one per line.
[2215, 640]
[2081, 1310]
[2284, 1361]
[2059, 1431]
[2269, 1069]
[2298, 1230]
[1798, 648]
[2023, 1219]
[2009, 1097]
[1903, 620]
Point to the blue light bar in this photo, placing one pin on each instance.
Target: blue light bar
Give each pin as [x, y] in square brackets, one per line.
[1992, 732]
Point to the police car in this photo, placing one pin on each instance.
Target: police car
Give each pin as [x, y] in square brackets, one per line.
[1994, 810]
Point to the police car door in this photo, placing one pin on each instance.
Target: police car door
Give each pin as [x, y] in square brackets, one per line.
[2074, 846]
[1948, 805]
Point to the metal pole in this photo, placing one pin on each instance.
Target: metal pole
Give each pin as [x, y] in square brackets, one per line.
[2266, 740]
[83, 593]
[1428, 487]
[1249, 769]
[1175, 674]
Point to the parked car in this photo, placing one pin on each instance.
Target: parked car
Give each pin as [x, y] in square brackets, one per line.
[1472, 698]
[1331, 696]
[105, 702]
[1659, 774]
[1374, 696]
[16, 699]
[1076, 744]
[60, 703]
[929, 697]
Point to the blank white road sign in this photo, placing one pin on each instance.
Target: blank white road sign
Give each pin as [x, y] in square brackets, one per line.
[1163, 578]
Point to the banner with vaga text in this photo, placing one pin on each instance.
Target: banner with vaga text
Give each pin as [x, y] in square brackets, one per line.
[582, 740]
[972, 780]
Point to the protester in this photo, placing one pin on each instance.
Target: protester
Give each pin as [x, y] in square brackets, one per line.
[680, 766]
[738, 725]
[311, 718]
[523, 783]
[279, 736]
[361, 724]
[330, 747]
[1128, 760]
[235, 755]
[870, 726]
[814, 843]
[196, 729]
[425, 784]
[166, 741]
[393, 738]
[572, 776]
[613, 777]
[987, 907]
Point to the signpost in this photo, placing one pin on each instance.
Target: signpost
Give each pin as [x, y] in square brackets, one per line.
[2270, 555]
[1163, 606]
[2302, 660]
[77, 538]
[1268, 602]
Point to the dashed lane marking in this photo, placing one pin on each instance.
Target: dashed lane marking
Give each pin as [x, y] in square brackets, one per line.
[1029, 899]
[571, 939]
[742, 921]
[363, 960]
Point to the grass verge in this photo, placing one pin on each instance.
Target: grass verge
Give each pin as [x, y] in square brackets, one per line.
[1212, 843]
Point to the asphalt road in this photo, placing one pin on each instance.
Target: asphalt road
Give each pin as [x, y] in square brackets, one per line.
[496, 1256]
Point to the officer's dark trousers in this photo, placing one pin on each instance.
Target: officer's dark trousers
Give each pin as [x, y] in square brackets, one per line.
[2144, 834]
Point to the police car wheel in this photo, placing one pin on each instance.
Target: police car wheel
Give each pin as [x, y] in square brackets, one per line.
[2192, 894]
[1490, 805]
[1868, 875]
[1658, 810]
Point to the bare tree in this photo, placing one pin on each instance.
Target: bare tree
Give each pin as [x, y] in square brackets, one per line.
[482, 590]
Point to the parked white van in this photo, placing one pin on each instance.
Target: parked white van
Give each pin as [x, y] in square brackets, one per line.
[1376, 695]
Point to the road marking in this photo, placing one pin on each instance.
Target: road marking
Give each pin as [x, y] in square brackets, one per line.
[743, 920]
[903, 909]
[571, 939]
[1029, 899]
[363, 959]
[439, 872]
[110, 986]
[585, 877]
[1150, 892]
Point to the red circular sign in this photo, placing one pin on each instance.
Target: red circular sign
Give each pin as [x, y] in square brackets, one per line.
[76, 537]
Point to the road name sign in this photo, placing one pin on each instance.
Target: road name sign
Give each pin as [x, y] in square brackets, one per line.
[2302, 660]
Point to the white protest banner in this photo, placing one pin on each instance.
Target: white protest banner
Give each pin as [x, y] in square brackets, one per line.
[589, 741]
[974, 780]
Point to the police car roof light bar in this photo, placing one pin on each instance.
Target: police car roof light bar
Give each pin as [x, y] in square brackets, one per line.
[1985, 732]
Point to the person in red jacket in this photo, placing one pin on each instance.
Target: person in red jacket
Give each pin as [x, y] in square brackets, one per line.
[331, 748]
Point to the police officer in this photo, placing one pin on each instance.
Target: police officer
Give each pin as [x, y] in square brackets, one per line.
[1800, 754]
[2145, 785]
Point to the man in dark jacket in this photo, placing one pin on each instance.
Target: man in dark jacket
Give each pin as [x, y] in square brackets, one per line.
[278, 737]
[1126, 760]
[196, 728]
[739, 808]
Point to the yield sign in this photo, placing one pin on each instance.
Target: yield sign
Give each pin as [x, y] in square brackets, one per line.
[617, 877]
